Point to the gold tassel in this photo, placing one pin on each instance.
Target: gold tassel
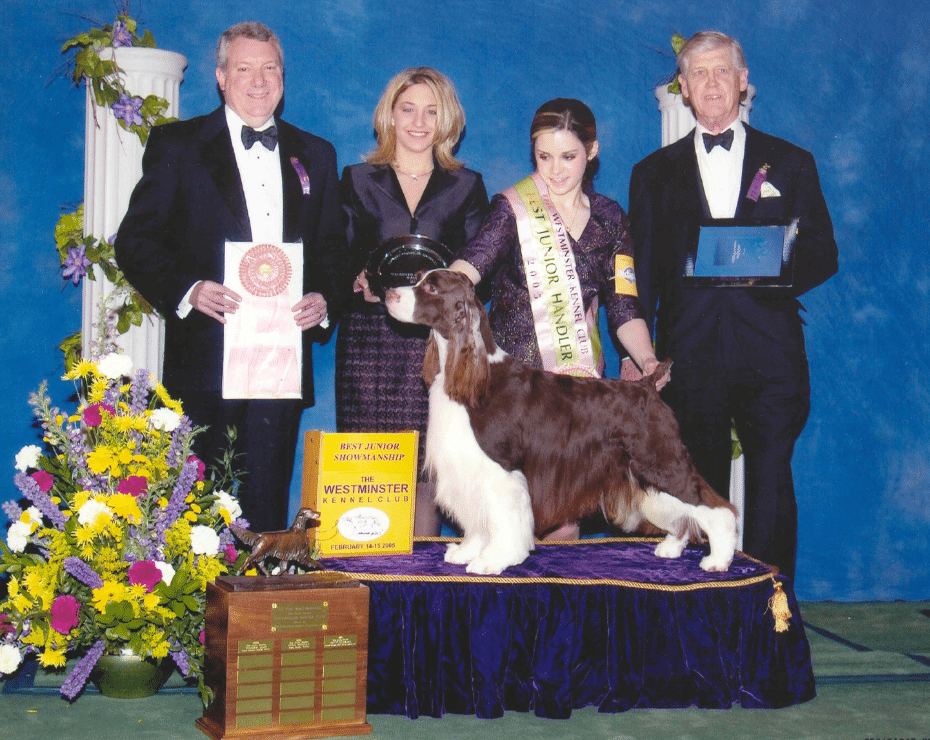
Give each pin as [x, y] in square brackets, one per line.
[778, 605]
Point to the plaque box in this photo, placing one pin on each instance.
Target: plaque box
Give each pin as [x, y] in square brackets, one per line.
[286, 657]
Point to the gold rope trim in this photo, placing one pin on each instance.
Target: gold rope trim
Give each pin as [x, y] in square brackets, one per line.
[746, 581]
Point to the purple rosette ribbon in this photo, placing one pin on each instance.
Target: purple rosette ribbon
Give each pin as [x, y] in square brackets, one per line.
[302, 174]
[755, 189]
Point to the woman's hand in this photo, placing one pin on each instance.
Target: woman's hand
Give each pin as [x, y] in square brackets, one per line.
[649, 367]
[361, 286]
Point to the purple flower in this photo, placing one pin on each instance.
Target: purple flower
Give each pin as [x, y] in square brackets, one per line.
[121, 35]
[31, 490]
[83, 572]
[755, 189]
[65, 611]
[139, 391]
[128, 109]
[180, 659]
[76, 680]
[76, 264]
[144, 573]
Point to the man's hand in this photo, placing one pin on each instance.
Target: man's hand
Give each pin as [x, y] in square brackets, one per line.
[214, 300]
[310, 311]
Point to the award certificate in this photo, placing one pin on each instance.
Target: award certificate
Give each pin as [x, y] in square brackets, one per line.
[261, 341]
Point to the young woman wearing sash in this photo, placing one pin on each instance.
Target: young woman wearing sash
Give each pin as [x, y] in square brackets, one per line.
[410, 184]
[554, 251]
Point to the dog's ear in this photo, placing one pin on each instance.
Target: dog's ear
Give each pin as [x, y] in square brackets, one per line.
[657, 374]
[430, 361]
[467, 368]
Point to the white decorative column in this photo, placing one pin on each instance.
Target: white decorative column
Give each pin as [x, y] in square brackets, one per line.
[677, 121]
[677, 118]
[112, 166]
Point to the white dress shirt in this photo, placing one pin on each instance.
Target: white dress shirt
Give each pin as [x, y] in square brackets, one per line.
[260, 172]
[721, 170]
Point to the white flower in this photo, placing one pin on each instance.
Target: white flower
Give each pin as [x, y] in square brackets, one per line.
[9, 658]
[115, 366]
[167, 570]
[165, 419]
[230, 504]
[28, 457]
[18, 537]
[33, 517]
[204, 541]
[89, 512]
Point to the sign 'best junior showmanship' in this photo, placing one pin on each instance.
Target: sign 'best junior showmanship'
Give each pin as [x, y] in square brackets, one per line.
[364, 486]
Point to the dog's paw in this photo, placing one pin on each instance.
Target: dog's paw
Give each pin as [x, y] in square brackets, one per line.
[460, 553]
[716, 563]
[490, 563]
[671, 547]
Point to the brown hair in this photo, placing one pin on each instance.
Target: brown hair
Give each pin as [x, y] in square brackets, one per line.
[567, 114]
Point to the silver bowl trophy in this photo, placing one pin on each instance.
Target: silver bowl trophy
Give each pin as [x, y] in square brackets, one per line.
[401, 261]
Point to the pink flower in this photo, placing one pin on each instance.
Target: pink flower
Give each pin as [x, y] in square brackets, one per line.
[231, 554]
[65, 614]
[44, 479]
[202, 637]
[135, 485]
[201, 468]
[6, 626]
[144, 573]
[92, 415]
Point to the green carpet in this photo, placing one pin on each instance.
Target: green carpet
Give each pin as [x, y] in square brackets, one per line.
[871, 661]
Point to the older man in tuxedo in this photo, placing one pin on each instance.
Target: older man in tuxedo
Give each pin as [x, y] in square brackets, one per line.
[739, 352]
[241, 175]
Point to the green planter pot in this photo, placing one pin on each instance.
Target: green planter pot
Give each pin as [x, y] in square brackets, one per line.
[129, 676]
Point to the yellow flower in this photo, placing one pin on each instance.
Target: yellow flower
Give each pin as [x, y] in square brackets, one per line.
[125, 506]
[150, 601]
[12, 588]
[21, 603]
[84, 535]
[109, 591]
[162, 502]
[100, 460]
[52, 658]
[80, 370]
[190, 516]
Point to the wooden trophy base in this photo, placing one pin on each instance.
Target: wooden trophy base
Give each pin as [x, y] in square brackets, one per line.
[286, 657]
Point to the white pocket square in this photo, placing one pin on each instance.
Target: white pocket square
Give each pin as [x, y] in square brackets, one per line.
[769, 191]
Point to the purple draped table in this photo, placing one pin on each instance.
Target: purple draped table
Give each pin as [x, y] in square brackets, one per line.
[600, 623]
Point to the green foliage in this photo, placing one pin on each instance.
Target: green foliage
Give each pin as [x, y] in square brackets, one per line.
[678, 41]
[105, 77]
[69, 233]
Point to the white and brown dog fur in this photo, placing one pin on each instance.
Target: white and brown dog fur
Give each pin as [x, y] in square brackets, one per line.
[518, 451]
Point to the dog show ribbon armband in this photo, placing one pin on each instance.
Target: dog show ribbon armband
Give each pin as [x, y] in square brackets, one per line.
[624, 276]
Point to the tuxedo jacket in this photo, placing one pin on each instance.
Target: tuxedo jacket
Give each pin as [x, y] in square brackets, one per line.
[701, 327]
[190, 201]
[451, 210]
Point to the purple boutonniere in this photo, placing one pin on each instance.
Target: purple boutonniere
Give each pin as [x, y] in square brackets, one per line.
[755, 190]
[302, 174]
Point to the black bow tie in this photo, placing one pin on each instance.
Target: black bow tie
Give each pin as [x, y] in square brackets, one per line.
[725, 140]
[268, 137]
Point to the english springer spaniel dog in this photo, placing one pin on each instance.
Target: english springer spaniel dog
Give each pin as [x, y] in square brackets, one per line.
[517, 451]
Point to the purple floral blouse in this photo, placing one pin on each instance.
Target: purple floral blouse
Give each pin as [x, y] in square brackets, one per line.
[495, 253]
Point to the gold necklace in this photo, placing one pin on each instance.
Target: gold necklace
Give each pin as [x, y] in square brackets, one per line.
[410, 175]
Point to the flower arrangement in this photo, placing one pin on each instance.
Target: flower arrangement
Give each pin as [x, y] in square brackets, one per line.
[121, 532]
[133, 113]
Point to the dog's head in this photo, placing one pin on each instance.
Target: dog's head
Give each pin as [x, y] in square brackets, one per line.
[445, 301]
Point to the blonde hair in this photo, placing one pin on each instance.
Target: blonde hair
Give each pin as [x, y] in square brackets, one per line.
[450, 119]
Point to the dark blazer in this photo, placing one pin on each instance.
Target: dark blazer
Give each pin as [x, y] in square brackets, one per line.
[666, 203]
[451, 211]
[189, 202]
